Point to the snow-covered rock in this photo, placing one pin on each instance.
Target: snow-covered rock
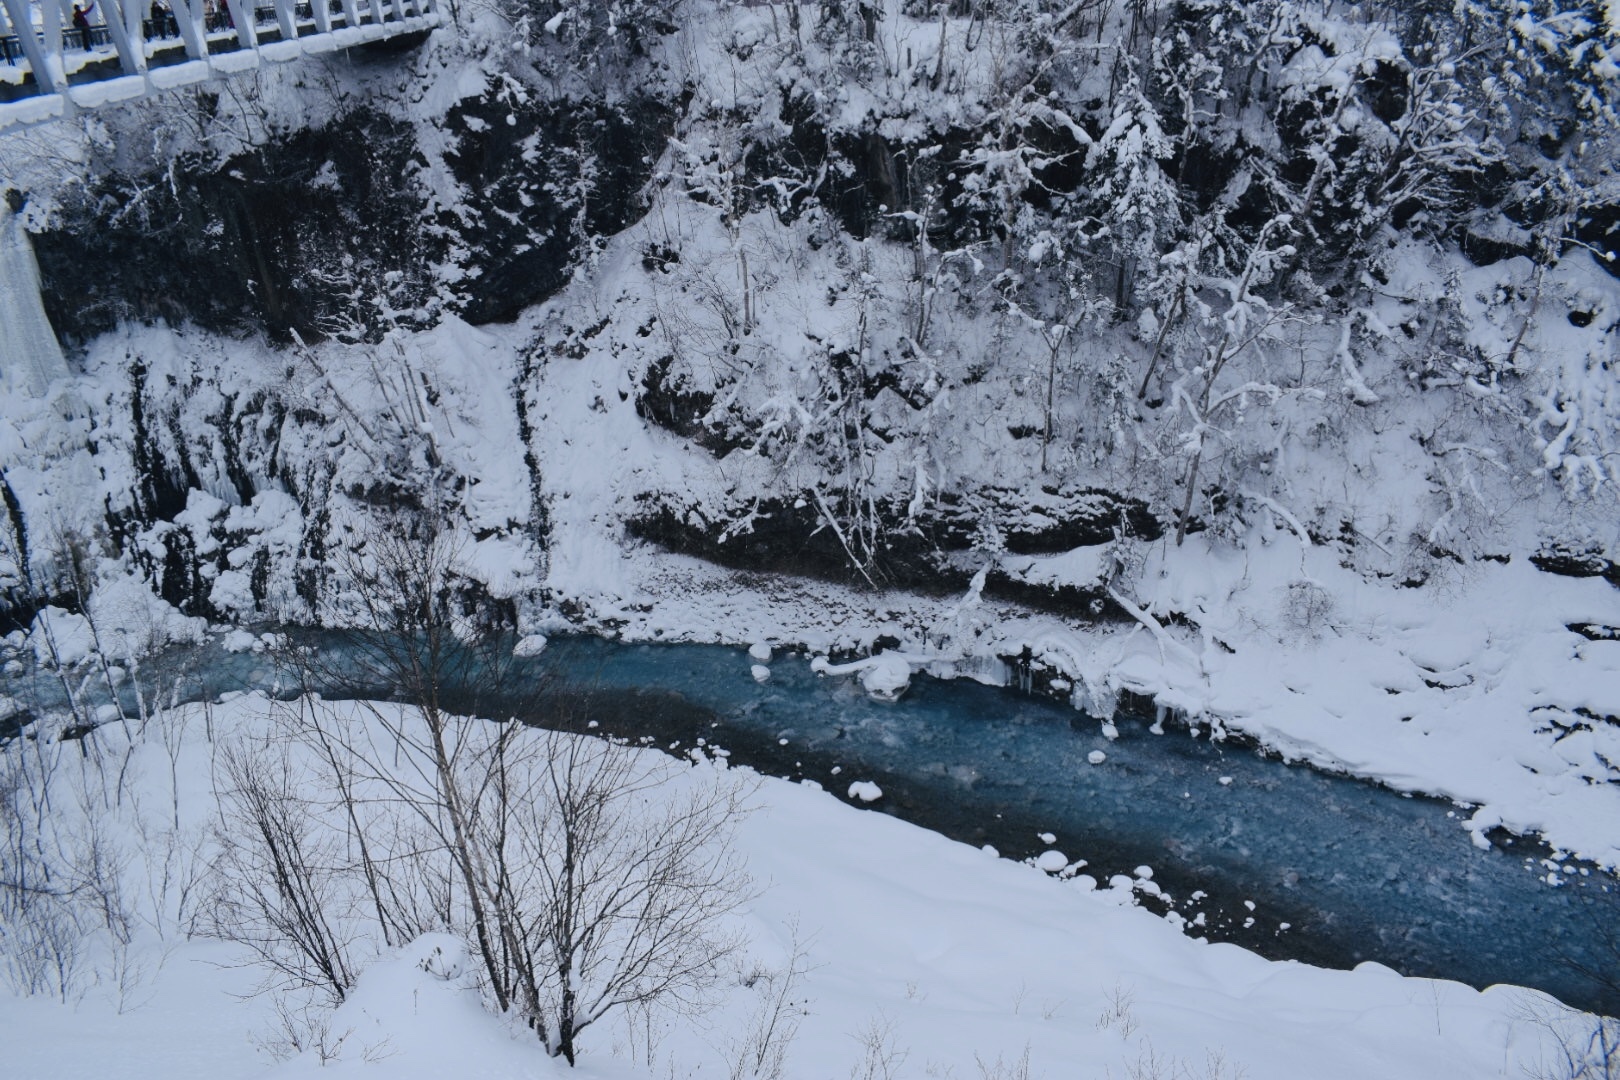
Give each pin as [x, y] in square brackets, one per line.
[1051, 861]
[865, 791]
[885, 676]
[530, 645]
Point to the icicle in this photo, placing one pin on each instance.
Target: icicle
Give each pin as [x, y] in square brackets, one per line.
[30, 357]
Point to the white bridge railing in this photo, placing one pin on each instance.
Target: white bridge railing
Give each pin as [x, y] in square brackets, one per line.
[50, 68]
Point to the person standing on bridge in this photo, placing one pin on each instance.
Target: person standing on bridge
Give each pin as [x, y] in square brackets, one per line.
[81, 23]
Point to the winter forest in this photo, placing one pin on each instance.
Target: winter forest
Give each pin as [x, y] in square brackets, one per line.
[974, 540]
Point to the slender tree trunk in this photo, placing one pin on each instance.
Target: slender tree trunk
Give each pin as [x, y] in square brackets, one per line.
[465, 858]
[1158, 346]
[1051, 384]
[1530, 317]
[1186, 503]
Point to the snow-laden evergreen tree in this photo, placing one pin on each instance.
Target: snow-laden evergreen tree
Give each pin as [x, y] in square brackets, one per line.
[1135, 204]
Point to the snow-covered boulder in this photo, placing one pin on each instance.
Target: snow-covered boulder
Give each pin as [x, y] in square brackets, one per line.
[885, 676]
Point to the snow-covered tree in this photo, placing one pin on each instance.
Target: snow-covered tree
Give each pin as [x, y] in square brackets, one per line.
[1137, 206]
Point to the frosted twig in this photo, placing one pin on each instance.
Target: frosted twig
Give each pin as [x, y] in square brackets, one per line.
[1280, 511]
[1157, 630]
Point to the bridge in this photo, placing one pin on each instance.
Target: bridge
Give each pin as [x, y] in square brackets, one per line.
[51, 68]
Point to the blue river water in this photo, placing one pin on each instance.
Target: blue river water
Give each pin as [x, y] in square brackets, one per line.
[1284, 859]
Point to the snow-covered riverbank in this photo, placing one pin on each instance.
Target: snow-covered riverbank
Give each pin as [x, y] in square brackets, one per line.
[1492, 682]
[1477, 690]
[1260, 352]
[930, 955]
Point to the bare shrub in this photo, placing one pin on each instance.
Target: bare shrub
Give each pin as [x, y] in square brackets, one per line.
[1583, 1046]
[277, 888]
[881, 1053]
[1152, 1064]
[588, 877]
[42, 954]
[1118, 1011]
[611, 888]
[299, 1026]
[1307, 608]
[78, 905]
[1001, 1069]
[761, 1053]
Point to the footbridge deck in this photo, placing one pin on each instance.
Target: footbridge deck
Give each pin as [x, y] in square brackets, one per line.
[51, 69]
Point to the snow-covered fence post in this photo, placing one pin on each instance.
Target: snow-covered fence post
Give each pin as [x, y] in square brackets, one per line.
[188, 17]
[50, 71]
[243, 16]
[287, 18]
[124, 27]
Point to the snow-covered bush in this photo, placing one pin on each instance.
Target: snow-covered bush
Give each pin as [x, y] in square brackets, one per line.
[96, 882]
[584, 876]
[1585, 1047]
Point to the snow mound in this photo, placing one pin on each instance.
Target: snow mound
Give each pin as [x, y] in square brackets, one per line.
[240, 641]
[1051, 862]
[416, 1013]
[531, 645]
[885, 676]
[441, 955]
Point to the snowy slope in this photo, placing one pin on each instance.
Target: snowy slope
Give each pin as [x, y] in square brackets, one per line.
[911, 949]
[1381, 466]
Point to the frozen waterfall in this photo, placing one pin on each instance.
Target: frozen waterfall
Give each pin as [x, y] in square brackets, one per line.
[30, 357]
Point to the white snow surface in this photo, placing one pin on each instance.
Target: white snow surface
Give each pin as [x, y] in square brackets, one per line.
[956, 956]
[885, 676]
[530, 645]
[1468, 686]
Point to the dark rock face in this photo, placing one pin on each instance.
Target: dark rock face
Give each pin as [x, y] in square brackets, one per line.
[929, 553]
[1053, 521]
[23, 595]
[1568, 562]
[318, 232]
[1090, 603]
[794, 538]
[537, 178]
[329, 230]
[671, 403]
[1599, 229]
[299, 235]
